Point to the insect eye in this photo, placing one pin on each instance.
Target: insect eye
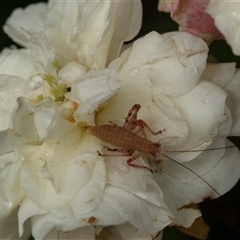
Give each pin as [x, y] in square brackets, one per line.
[137, 106]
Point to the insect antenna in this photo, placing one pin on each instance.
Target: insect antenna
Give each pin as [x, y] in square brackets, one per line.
[204, 150]
[193, 173]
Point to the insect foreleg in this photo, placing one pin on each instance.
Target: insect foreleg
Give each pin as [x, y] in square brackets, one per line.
[130, 160]
[131, 119]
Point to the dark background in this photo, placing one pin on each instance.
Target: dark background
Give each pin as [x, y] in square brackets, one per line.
[222, 214]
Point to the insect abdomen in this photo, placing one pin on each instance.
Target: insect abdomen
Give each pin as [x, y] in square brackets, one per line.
[116, 135]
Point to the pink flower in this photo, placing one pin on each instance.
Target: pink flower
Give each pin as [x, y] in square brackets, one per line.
[192, 18]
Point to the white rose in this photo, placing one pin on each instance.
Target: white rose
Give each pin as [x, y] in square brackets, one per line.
[50, 164]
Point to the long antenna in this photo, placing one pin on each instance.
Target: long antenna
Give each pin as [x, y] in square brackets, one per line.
[204, 150]
[193, 173]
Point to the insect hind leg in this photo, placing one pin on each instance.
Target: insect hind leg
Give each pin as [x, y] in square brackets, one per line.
[141, 125]
[130, 160]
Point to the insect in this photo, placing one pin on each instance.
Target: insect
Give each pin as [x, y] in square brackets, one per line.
[128, 139]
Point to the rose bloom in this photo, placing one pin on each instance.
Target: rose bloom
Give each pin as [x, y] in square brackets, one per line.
[210, 20]
[69, 76]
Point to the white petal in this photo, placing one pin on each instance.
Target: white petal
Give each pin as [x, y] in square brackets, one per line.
[32, 18]
[10, 88]
[91, 90]
[18, 63]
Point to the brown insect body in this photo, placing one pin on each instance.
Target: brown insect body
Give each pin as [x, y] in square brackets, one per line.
[123, 138]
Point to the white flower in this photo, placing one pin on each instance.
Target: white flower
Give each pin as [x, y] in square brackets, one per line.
[226, 18]
[49, 161]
